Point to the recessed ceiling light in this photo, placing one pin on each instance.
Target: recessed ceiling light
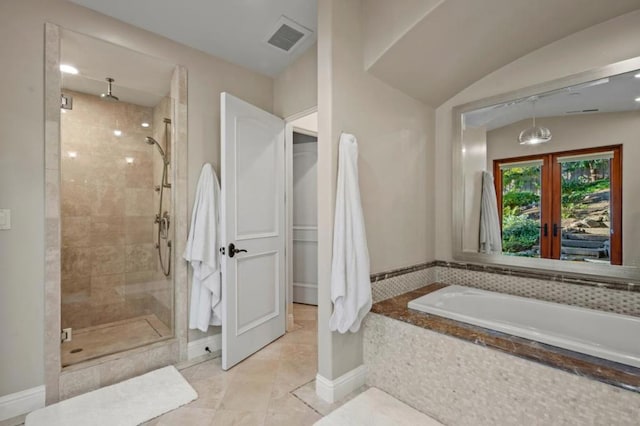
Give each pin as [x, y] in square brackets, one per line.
[145, 125]
[637, 75]
[117, 132]
[129, 160]
[638, 99]
[72, 154]
[69, 69]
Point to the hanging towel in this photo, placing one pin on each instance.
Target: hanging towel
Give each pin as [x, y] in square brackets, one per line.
[490, 235]
[350, 281]
[203, 251]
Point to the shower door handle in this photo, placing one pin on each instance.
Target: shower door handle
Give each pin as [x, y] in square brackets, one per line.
[233, 250]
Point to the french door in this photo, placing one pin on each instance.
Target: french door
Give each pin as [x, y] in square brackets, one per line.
[562, 205]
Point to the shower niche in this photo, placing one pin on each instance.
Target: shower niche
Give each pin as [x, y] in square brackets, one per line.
[116, 201]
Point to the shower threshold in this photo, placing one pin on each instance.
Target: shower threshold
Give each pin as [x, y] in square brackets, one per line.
[105, 339]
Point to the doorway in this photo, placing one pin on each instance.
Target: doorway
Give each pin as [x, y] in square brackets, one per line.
[562, 205]
[257, 218]
[304, 227]
[301, 135]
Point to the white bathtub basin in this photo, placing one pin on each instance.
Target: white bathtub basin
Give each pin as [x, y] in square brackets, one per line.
[601, 334]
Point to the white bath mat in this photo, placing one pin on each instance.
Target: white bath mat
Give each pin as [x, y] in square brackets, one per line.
[128, 403]
[376, 408]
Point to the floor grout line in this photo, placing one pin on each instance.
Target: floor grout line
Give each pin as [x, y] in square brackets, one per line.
[154, 329]
[303, 401]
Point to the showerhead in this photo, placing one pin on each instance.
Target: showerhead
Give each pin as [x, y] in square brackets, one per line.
[109, 97]
[151, 141]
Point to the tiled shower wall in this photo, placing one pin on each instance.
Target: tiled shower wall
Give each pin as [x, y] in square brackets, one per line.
[161, 286]
[107, 208]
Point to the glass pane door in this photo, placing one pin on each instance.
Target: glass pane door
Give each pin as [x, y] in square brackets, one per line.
[586, 213]
[520, 202]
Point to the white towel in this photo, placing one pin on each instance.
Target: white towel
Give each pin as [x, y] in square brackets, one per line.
[203, 252]
[490, 235]
[350, 280]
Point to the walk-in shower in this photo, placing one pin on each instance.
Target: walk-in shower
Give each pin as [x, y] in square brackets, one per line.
[163, 218]
[116, 285]
[113, 312]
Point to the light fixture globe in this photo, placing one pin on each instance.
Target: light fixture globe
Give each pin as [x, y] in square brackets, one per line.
[534, 135]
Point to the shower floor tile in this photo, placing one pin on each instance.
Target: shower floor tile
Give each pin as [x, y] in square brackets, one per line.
[92, 342]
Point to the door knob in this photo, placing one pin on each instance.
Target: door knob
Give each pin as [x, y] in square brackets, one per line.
[233, 250]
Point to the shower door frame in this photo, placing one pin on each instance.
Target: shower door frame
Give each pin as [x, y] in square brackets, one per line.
[92, 374]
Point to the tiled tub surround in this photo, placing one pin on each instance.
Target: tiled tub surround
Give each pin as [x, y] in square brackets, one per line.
[584, 365]
[464, 383]
[593, 293]
[109, 262]
[461, 383]
[389, 284]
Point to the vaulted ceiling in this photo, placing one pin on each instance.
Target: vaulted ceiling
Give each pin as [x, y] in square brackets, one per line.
[457, 42]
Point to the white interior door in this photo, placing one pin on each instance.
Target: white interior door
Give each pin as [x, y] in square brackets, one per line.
[253, 219]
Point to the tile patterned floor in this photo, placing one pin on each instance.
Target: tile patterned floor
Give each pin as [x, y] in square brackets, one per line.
[259, 390]
[93, 342]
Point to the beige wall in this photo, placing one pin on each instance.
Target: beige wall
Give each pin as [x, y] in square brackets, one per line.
[22, 154]
[394, 135]
[474, 159]
[587, 131]
[296, 88]
[606, 43]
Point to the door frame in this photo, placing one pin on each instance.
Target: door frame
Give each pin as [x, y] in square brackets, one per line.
[165, 352]
[288, 152]
[550, 245]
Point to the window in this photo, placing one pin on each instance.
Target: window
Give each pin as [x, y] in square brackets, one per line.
[564, 205]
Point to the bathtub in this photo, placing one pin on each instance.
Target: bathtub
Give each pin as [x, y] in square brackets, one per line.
[600, 334]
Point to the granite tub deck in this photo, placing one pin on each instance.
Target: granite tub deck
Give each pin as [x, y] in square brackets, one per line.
[466, 376]
[619, 375]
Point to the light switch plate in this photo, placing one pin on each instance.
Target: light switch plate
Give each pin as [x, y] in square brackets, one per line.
[5, 219]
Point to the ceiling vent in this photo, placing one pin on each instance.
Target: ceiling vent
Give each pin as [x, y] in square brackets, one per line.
[287, 34]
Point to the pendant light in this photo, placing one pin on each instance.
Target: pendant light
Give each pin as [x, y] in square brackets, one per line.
[534, 135]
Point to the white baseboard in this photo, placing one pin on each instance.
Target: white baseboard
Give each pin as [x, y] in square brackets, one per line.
[334, 390]
[305, 293]
[196, 348]
[23, 402]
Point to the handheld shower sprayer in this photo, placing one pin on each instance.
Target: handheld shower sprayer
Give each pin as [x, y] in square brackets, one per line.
[151, 141]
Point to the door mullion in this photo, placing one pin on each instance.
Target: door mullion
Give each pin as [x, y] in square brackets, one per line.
[547, 248]
[555, 196]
